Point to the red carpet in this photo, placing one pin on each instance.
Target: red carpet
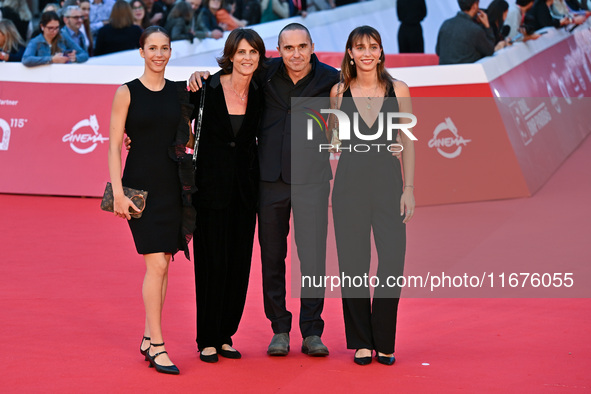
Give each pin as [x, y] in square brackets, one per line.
[73, 313]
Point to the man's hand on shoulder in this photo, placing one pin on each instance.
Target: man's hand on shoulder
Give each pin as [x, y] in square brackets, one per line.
[195, 80]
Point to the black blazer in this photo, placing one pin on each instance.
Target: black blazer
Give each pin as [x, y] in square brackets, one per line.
[275, 135]
[226, 163]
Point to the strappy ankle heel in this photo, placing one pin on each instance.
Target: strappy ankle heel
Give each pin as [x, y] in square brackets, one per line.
[144, 352]
[169, 369]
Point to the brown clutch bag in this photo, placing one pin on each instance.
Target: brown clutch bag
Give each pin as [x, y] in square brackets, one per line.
[138, 197]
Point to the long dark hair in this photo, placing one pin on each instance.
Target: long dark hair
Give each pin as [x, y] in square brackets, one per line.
[495, 12]
[86, 25]
[47, 17]
[349, 71]
[237, 35]
[146, 20]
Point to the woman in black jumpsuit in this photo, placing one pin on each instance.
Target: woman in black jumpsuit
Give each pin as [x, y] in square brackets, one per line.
[370, 194]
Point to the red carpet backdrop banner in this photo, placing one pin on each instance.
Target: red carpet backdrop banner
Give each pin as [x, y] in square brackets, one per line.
[54, 138]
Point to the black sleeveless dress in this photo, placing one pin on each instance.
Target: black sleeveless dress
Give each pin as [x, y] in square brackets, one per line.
[152, 123]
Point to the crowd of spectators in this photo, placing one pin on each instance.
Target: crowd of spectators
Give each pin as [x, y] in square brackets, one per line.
[99, 27]
[475, 33]
[51, 46]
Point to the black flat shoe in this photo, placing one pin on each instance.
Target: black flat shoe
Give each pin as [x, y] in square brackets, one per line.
[211, 358]
[168, 369]
[234, 354]
[144, 352]
[386, 360]
[362, 360]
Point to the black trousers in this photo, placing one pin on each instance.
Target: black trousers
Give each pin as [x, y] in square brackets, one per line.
[410, 38]
[222, 243]
[366, 198]
[309, 204]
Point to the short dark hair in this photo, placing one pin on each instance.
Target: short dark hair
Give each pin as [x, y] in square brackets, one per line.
[465, 5]
[231, 46]
[523, 3]
[294, 26]
[151, 30]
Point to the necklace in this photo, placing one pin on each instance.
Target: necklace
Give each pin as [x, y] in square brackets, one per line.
[236, 93]
[369, 98]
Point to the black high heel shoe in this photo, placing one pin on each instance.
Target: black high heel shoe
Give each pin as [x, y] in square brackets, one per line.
[169, 369]
[361, 360]
[386, 360]
[144, 352]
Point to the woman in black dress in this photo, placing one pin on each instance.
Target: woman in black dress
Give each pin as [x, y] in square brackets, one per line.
[152, 111]
[369, 194]
[227, 182]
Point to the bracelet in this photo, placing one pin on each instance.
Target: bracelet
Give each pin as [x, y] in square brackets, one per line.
[409, 186]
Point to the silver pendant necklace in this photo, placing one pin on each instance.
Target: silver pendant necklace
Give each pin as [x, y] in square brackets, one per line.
[236, 93]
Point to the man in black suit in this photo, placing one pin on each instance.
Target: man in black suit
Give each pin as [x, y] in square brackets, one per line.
[297, 74]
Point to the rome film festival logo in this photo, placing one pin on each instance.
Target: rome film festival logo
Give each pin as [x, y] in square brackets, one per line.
[445, 145]
[5, 128]
[79, 137]
[343, 130]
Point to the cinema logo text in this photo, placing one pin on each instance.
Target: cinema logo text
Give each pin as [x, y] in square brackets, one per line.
[81, 139]
[449, 146]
